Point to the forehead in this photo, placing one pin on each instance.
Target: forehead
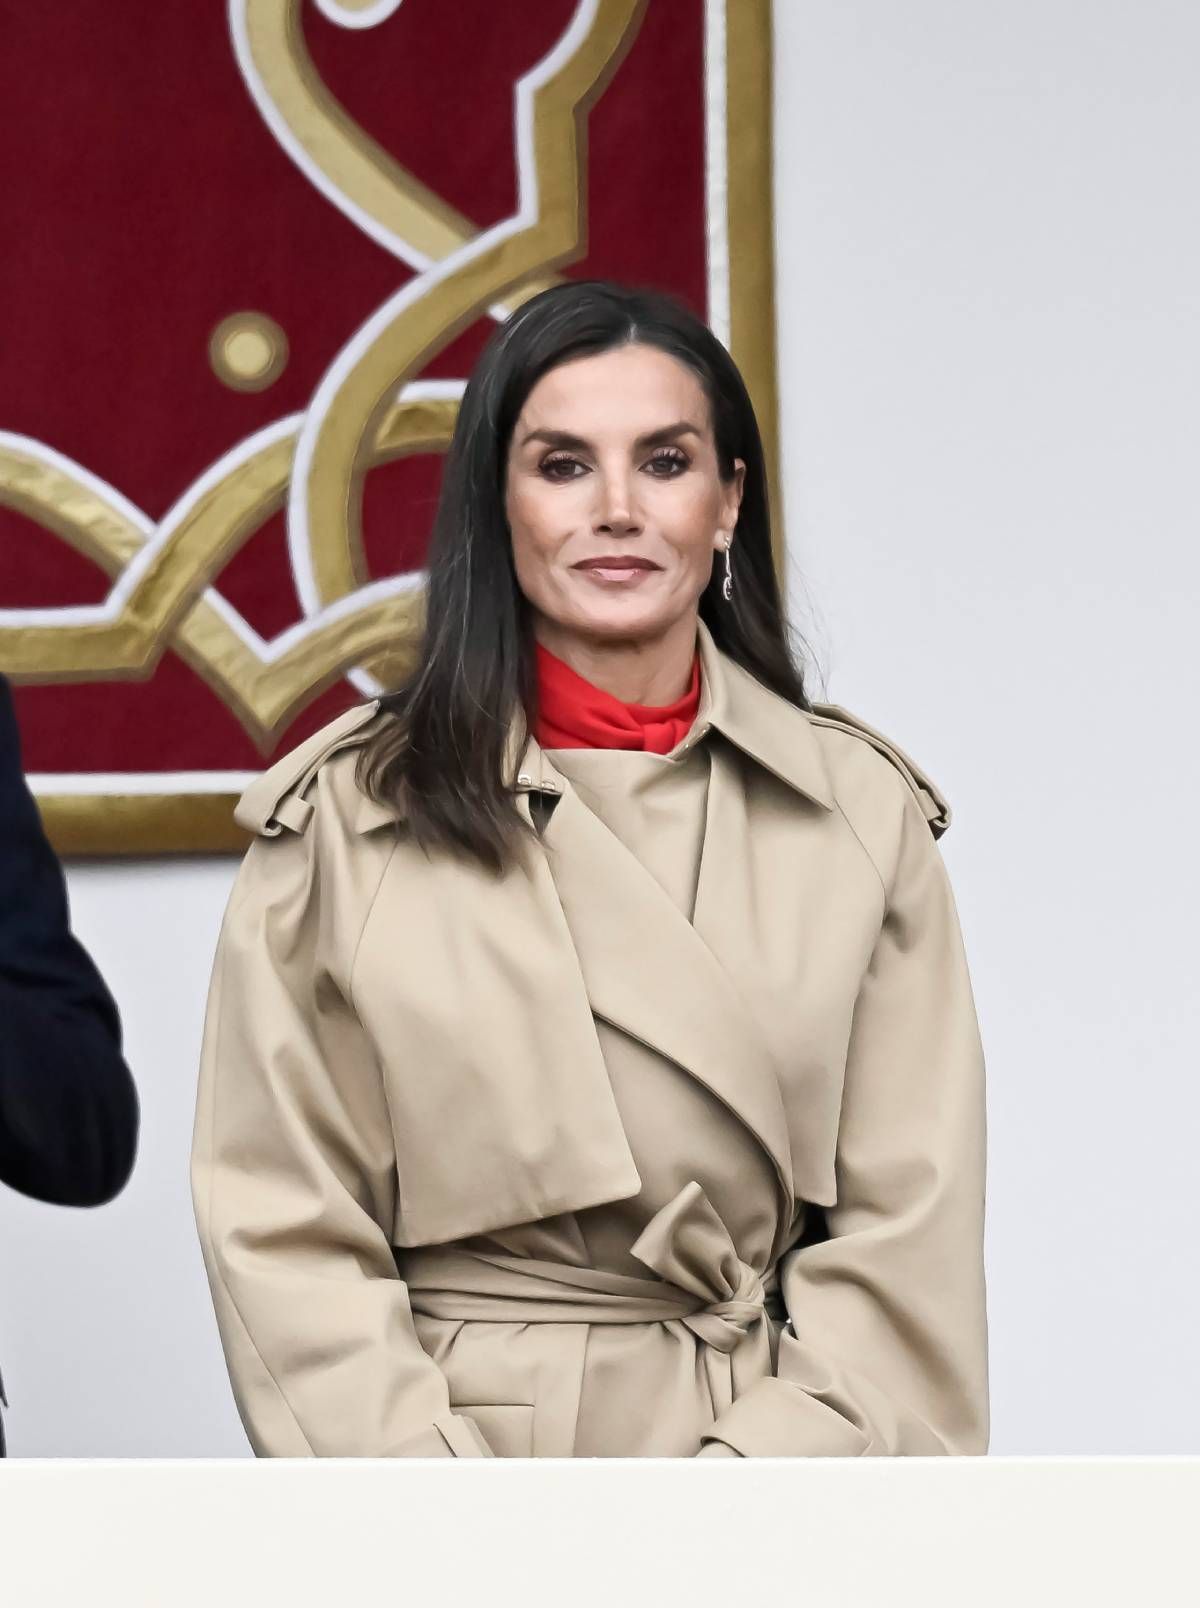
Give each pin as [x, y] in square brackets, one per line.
[631, 390]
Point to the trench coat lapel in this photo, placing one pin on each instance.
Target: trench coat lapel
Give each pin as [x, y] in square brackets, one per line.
[475, 978]
[648, 972]
[756, 866]
[759, 865]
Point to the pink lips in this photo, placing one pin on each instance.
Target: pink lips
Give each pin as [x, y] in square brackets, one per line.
[623, 562]
[625, 572]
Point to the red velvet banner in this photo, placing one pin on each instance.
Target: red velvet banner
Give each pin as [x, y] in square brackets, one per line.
[225, 226]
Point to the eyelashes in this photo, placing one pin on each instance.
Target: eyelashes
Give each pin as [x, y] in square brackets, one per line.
[665, 464]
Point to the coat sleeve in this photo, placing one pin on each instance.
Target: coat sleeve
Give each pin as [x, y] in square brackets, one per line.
[68, 1106]
[885, 1350]
[293, 1182]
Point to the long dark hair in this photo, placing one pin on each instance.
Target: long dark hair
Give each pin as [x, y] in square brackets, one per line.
[442, 753]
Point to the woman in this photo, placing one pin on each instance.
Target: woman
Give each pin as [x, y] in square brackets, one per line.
[591, 1066]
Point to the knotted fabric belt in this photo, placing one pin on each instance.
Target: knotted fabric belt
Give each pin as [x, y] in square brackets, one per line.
[702, 1281]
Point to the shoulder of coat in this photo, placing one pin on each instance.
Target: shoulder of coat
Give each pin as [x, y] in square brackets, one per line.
[934, 805]
[275, 800]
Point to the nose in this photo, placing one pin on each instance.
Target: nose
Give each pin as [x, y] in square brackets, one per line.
[615, 513]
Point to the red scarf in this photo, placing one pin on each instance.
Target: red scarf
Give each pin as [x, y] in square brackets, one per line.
[572, 713]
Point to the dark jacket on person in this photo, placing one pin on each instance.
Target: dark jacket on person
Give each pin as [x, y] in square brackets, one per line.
[68, 1106]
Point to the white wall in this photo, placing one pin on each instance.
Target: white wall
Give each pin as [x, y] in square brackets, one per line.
[989, 271]
[107, 1337]
[989, 254]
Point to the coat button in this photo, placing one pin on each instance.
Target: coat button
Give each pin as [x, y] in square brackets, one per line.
[524, 779]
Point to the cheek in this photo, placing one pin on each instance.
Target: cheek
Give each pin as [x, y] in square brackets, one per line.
[534, 506]
[690, 519]
[537, 523]
[520, 503]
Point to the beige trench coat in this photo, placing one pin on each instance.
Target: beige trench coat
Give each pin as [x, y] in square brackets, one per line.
[428, 1095]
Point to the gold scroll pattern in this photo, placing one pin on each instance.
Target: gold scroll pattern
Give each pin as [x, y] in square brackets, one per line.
[161, 597]
[169, 605]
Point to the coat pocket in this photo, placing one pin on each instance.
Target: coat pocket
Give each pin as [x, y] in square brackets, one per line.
[507, 1427]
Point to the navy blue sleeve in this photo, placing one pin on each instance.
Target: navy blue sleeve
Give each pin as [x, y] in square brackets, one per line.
[68, 1106]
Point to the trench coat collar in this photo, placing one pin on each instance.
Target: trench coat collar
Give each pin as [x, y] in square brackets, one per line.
[764, 726]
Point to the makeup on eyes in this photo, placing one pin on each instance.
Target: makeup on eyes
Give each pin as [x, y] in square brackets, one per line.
[678, 459]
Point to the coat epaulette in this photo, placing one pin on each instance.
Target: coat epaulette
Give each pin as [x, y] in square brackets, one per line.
[275, 799]
[933, 801]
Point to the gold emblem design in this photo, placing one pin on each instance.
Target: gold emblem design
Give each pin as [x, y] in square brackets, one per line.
[162, 597]
[369, 408]
[248, 351]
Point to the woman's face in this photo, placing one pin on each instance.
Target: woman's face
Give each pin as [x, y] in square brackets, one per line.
[613, 457]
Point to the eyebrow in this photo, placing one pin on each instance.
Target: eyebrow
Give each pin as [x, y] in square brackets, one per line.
[653, 438]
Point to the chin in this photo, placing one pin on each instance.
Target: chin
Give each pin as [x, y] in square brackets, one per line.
[622, 621]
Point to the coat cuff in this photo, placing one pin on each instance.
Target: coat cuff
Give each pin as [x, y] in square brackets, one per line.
[450, 1435]
[775, 1419]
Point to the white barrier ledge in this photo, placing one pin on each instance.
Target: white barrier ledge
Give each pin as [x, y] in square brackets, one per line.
[968, 1532]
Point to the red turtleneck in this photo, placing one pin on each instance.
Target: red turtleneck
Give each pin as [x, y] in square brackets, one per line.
[573, 713]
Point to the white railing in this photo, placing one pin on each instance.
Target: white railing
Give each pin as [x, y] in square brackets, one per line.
[810, 1532]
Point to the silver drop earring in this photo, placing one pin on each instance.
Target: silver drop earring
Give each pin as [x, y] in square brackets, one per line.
[727, 583]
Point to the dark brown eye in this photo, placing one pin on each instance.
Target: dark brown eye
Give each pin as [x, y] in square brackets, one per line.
[562, 467]
[668, 463]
